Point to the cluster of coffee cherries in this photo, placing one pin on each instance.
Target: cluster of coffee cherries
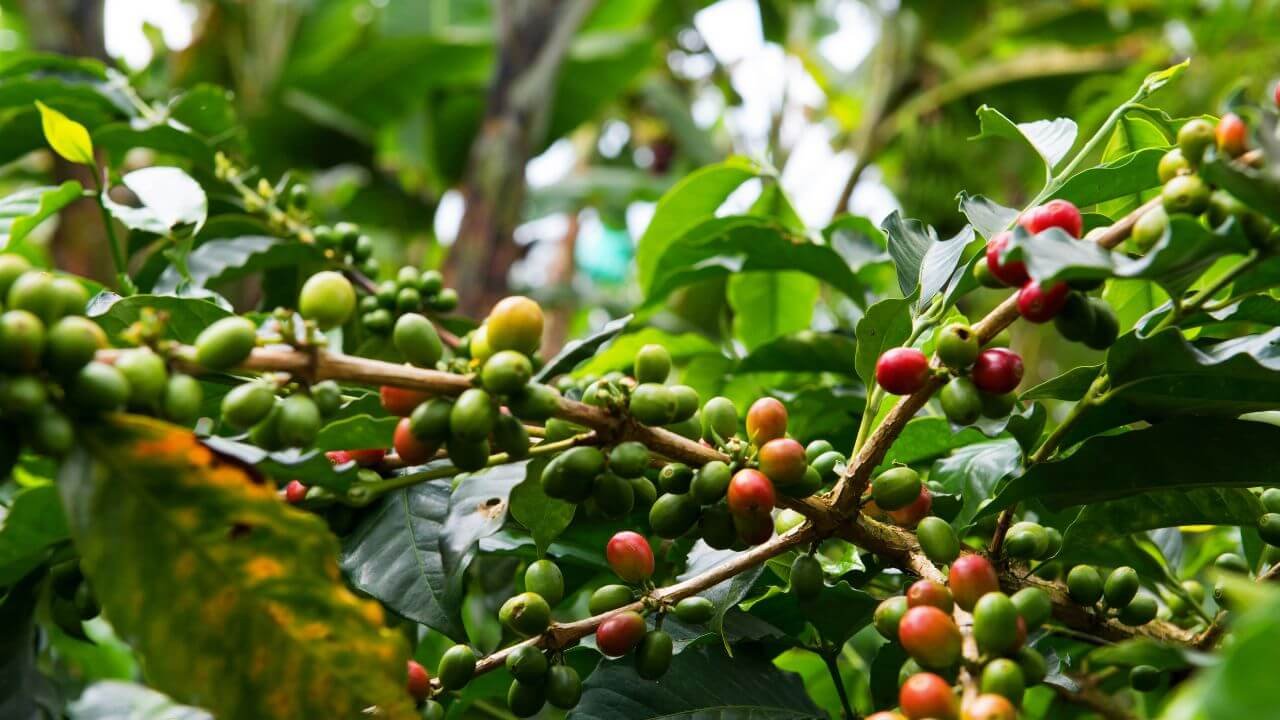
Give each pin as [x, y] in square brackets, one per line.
[411, 292]
[1185, 192]
[1269, 521]
[922, 621]
[1118, 593]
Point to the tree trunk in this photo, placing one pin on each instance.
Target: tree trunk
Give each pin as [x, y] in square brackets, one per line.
[533, 37]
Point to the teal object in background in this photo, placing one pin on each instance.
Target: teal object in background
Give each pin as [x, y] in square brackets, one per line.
[605, 256]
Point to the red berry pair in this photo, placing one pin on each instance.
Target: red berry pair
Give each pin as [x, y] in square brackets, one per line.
[1035, 302]
[903, 371]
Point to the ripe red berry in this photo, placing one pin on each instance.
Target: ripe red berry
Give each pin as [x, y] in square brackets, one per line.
[990, 707]
[1039, 304]
[410, 449]
[925, 695]
[930, 636]
[1232, 135]
[294, 492]
[619, 633]
[750, 492]
[997, 371]
[399, 401]
[419, 682]
[1012, 273]
[766, 420]
[912, 514]
[885, 715]
[902, 371]
[783, 460]
[366, 457]
[339, 457]
[971, 577]
[630, 556]
[928, 593]
[1055, 213]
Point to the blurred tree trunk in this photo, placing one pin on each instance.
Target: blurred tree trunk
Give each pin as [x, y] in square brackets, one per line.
[74, 27]
[533, 37]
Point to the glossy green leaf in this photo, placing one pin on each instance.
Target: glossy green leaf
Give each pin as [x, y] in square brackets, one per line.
[922, 260]
[974, 471]
[886, 325]
[186, 317]
[544, 517]
[225, 260]
[242, 591]
[805, 351]
[767, 306]
[169, 138]
[24, 691]
[357, 432]
[987, 216]
[836, 614]
[926, 438]
[1070, 385]
[1101, 521]
[67, 137]
[23, 210]
[1126, 175]
[33, 524]
[724, 595]
[575, 351]
[1050, 139]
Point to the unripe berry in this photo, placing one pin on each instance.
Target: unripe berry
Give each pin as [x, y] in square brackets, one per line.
[1039, 304]
[1084, 585]
[1012, 273]
[971, 577]
[1171, 165]
[995, 623]
[1055, 213]
[750, 491]
[958, 346]
[997, 371]
[930, 636]
[766, 420]
[753, 527]
[328, 299]
[419, 681]
[652, 364]
[1144, 678]
[925, 695]
[896, 488]
[544, 577]
[938, 540]
[925, 592]
[918, 510]
[1121, 586]
[783, 460]
[1232, 135]
[1194, 137]
[1034, 606]
[889, 614]
[526, 613]
[902, 371]
[990, 706]
[619, 633]
[630, 556]
[457, 665]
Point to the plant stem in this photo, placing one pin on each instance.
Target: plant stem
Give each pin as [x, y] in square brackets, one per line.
[123, 281]
[829, 657]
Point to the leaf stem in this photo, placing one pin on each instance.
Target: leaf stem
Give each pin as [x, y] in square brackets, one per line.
[123, 280]
[830, 659]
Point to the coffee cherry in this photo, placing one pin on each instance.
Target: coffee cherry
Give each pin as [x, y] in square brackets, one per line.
[753, 528]
[673, 515]
[563, 687]
[295, 492]
[299, 421]
[711, 482]
[247, 404]
[409, 447]
[22, 340]
[544, 578]
[1121, 586]
[534, 401]
[569, 476]
[515, 323]
[896, 488]
[719, 420]
[1034, 606]
[1055, 213]
[630, 556]
[1269, 528]
[783, 460]
[1185, 194]
[226, 343]
[652, 364]
[695, 610]
[1039, 304]
[613, 495]
[1144, 678]
[925, 592]
[675, 478]
[653, 404]
[971, 577]
[12, 266]
[1172, 164]
[750, 491]
[525, 614]
[902, 371]
[961, 401]
[995, 623]
[419, 682]
[1106, 326]
[990, 707]
[827, 465]
[71, 343]
[957, 346]
[885, 715]
[457, 665]
[1141, 610]
[506, 372]
[1033, 665]
[472, 416]
[1012, 273]
[98, 387]
[146, 374]
[1231, 562]
[525, 700]
[927, 696]
[1232, 135]
[1026, 540]
[806, 576]
[619, 633]
[1075, 320]
[997, 371]
[417, 340]
[1194, 137]
[766, 420]
[938, 540]
[609, 597]
[527, 664]
[328, 299]
[35, 292]
[930, 636]
[653, 655]
[888, 615]
[1084, 584]
[1003, 677]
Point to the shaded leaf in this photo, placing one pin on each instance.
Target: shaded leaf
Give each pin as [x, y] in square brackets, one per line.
[308, 466]
[33, 525]
[1100, 521]
[23, 210]
[1050, 139]
[974, 471]
[544, 517]
[769, 305]
[726, 594]
[185, 317]
[225, 260]
[987, 216]
[575, 351]
[1070, 385]
[886, 325]
[805, 351]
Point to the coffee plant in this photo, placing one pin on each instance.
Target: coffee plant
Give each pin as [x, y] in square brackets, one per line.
[348, 501]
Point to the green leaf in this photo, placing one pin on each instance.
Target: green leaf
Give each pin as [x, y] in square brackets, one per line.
[974, 471]
[621, 352]
[1258, 189]
[33, 525]
[167, 137]
[805, 351]
[1070, 385]
[1132, 300]
[1050, 139]
[1124, 176]
[987, 216]
[170, 194]
[1179, 454]
[226, 260]
[357, 431]
[921, 259]
[925, 438]
[544, 517]
[744, 243]
[114, 699]
[186, 317]
[769, 305]
[242, 591]
[24, 691]
[690, 202]
[727, 594]
[67, 137]
[1102, 521]
[308, 466]
[22, 211]
[575, 351]
[703, 682]
[886, 325]
[1142, 651]
[836, 614]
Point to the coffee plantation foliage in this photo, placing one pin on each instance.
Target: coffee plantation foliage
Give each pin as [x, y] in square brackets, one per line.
[350, 501]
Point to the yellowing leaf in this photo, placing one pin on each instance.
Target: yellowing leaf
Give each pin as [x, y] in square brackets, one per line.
[67, 137]
[232, 598]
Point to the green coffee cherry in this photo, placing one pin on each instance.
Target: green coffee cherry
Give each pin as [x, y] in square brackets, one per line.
[807, 581]
[1106, 326]
[1004, 677]
[613, 495]
[1075, 321]
[896, 488]
[957, 346]
[1194, 137]
[938, 540]
[1185, 194]
[719, 419]
[1033, 665]
[998, 406]
[995, 623]
[147, 375]
[827, 465]
[525, 614]
[1144, 678]
[1269, 528]
[430, 420]
[1084, 584]
[506, 372]
[1026, 540]
[1171, 165]
[534, 401]
[1140, 611]
[247, 404]
[417, 340]
[961, 401]
[183, 397]
[524, 700]
[35, 292]
[609, 597]
[511, 437]
[299, 421]
[1121, 587]
[695, 610]
[226, 343]
[328, 299]
[652, 364]
[457, 666]
[472, 416]
[675, 478]
[653, 655]
[815, 449]
[653, 404]
[468, 454]
[711, 482]
[1033, 605]
[887, 616]
[528, 664]
[673, 515]
[629, 459]
[563, 687]
[544, 578]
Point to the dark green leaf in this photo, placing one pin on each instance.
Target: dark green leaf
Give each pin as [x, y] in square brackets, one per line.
[886, 325]
[168, 137]
[767, 306]
[987, 216]
[726, 594]
[224, 260]
[805, 351]
[1070, 385]
[578, 350]
[1100, 521]
[24, 690]
[1126, 175]
[185, 317]
[974, 471]
[33, 525]
[544, 517]
[925, 438]
[837, 613]
[357, 432]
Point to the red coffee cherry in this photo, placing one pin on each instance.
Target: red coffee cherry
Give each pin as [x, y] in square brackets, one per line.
[630, 556]
[1012, 273]
[990, 707]
[295, 492]
[410, 449]
[399, 401]
[902, 371]
[783, 460]
[753, 527]
[885, 715]
[925, 695]
[1039, 304]
[997, 371]
[912, 514]
[1055, 213]
[750, 492]
[927, 593]
[766, 420]
[339, 457]
[1232, 135]
[366, 457]
[419, 682]
[971, 577]
[931, 637]
[619, 633]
